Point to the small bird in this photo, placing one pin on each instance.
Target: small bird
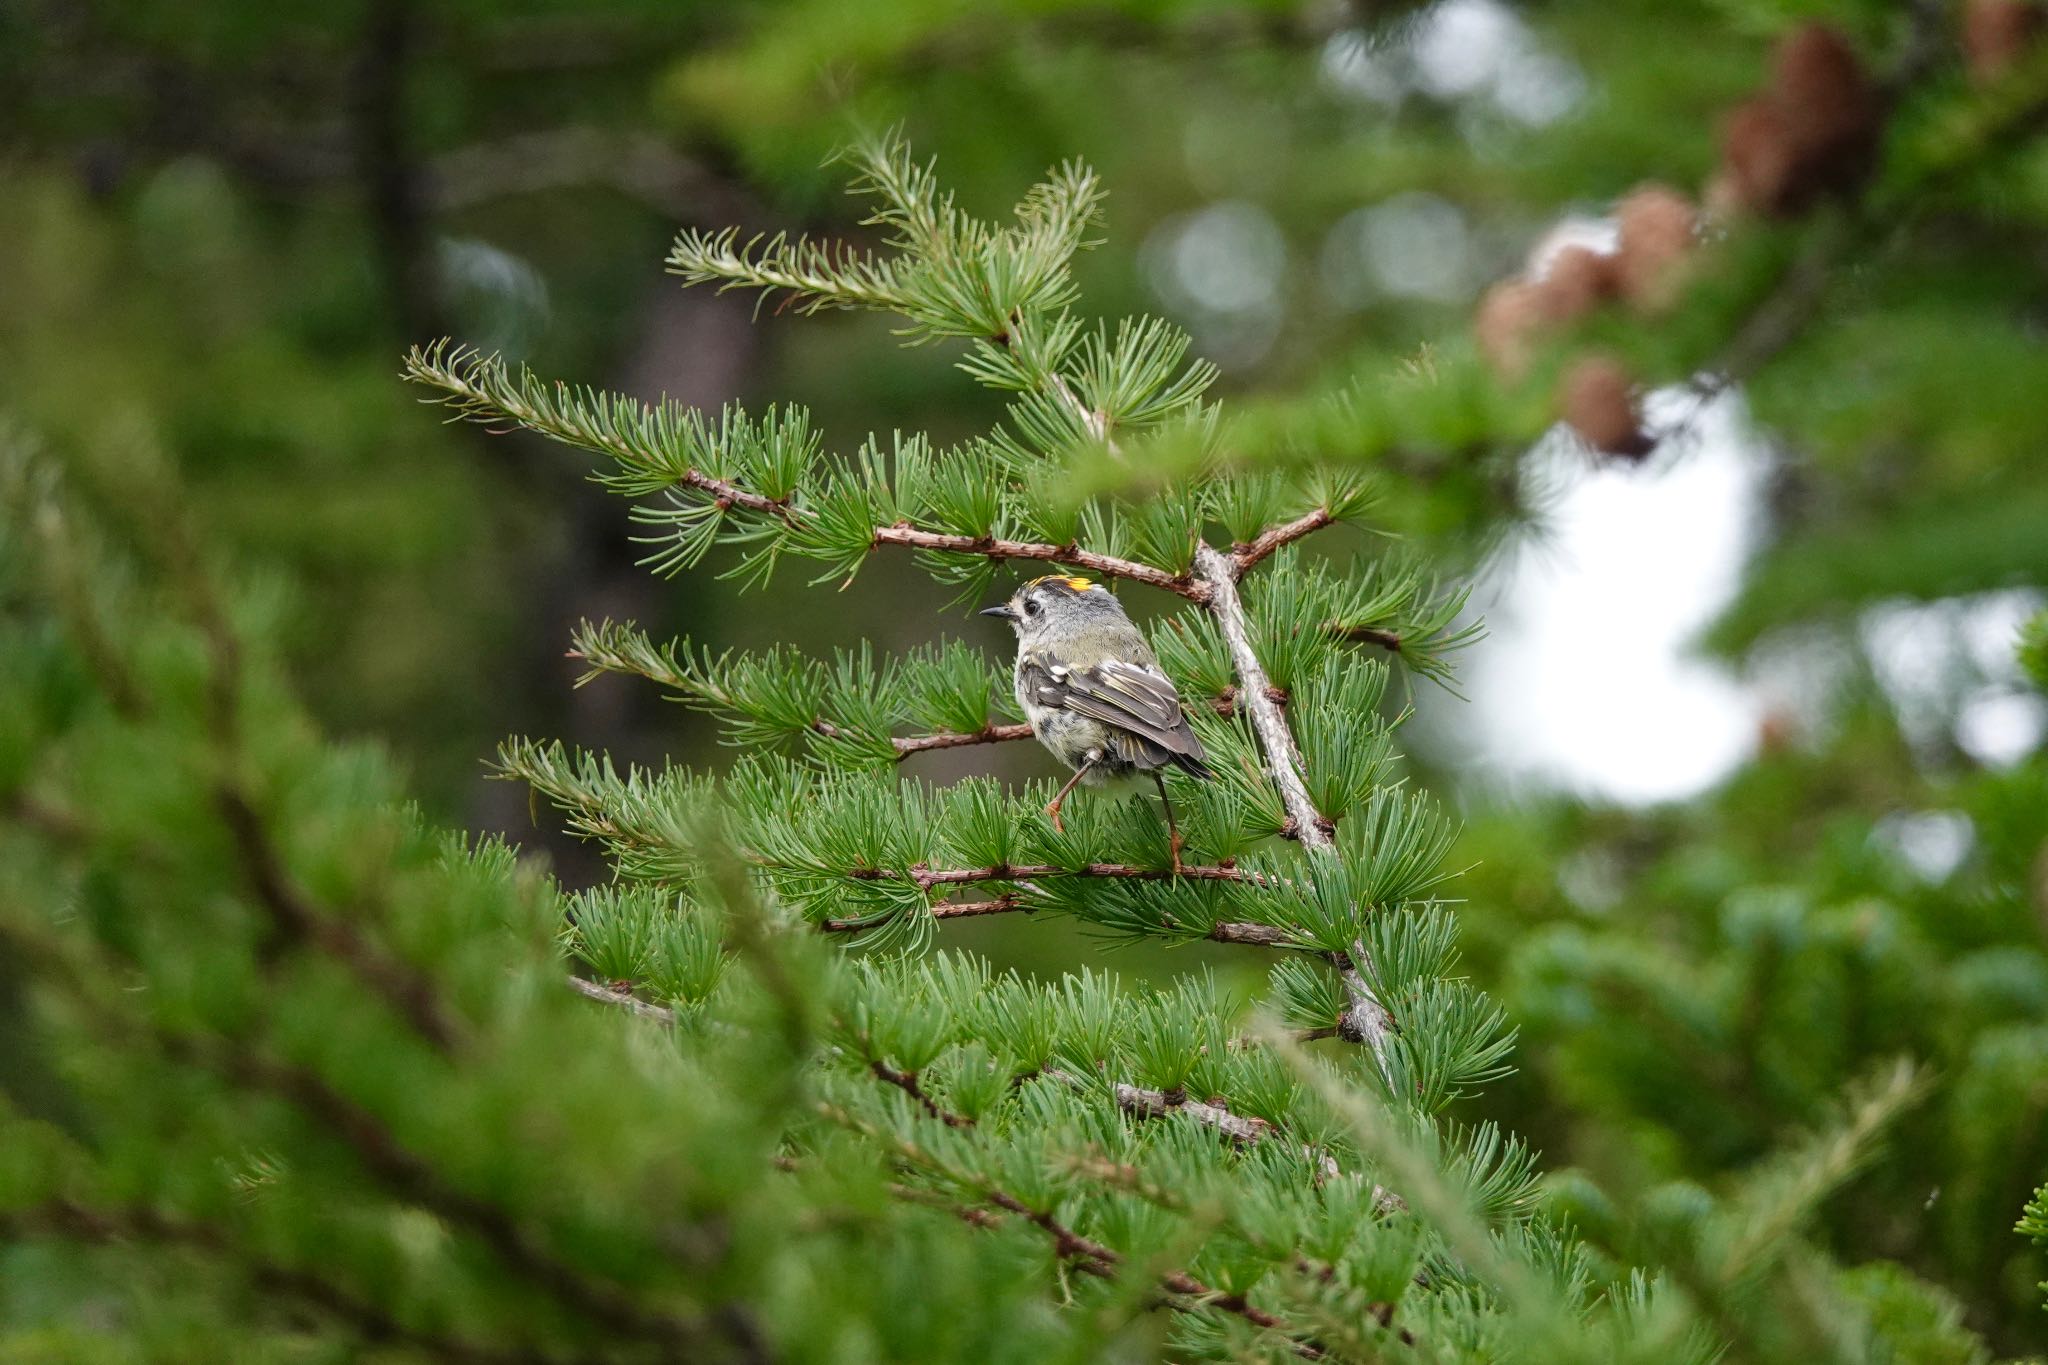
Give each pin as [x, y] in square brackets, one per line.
[1094, 692]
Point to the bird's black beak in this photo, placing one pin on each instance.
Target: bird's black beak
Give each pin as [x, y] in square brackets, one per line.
[1003, 611]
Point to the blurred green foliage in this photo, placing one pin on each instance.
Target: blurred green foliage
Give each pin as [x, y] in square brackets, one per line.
[220, 225]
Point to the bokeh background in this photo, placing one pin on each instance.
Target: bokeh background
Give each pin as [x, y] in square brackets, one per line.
[1748, 712]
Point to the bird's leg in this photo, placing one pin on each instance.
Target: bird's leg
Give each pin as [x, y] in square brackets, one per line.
[1054, 809]
[1172, 829]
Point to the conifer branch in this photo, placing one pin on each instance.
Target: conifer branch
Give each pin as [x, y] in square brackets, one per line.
[1142, 1103]
[1093, 420]
[905, 746]
[1260, 935]
[412, 1179]
[1283, 756]
[1086, 1254]
[294, 914]
[1367, 1020]
[814, 274]
[1370, 635]
[1070, 555]
[906, 1081]
[296, 917]
[773, 696]
[71, 1220]
[656, 448]
[404, 1174]
[1139, 1102]
[655, 442]
[1223, 931]
[928, 877]
[970, 909]
[1243, 557]
[621, 999]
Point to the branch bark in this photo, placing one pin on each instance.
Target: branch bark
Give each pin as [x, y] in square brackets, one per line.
[928, 877]
[1139, 1102]
[625, 1000]
[1071, 555]
[952, 739]
[1243, 557]
[1223, 931]
[480, 390]
[906, 1081]
[1254, 694]
[1370, 635]
[1366, 1020]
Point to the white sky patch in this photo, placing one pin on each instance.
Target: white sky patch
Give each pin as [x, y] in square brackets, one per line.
[1457, 51]
[1933, 842]
[1949, 669]
[1414, 245]
[1221, 270]
[1586, 680]
[1351, 67]
[1998, 726]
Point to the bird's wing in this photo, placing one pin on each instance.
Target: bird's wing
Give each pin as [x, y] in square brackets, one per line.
[1138, 703]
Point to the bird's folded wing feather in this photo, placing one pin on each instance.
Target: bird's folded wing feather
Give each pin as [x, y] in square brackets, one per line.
[1125, 696]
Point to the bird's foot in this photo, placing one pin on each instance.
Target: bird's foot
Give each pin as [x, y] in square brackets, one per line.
[1173, 851]
[1053, 810]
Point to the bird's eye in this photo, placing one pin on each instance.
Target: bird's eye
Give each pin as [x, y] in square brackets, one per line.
[1031, 606]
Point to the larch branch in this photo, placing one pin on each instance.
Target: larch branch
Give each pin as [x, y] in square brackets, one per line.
[621, 999]
[1139, 1102]
[1367, 1019]
[296, 917]
[1071, 555]
[65, 1218]
[906, 1081]
[480, 401]
[955, 739]
[928, 877]
[1369, 635]
[1273, 538]
[410, 1178]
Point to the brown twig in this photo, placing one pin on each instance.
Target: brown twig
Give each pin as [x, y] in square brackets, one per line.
[906, 1081]
[928, 879]
[1142, 1103]
[1139, 1102]
[925, 878]
[1243, 557]
[951, 739]
[1259, 935]
[1000, 905]
[1370, 635]
[1226, 704]
[622, 999]
[1223, 931]
[1093, 1258]
[1070, 555]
